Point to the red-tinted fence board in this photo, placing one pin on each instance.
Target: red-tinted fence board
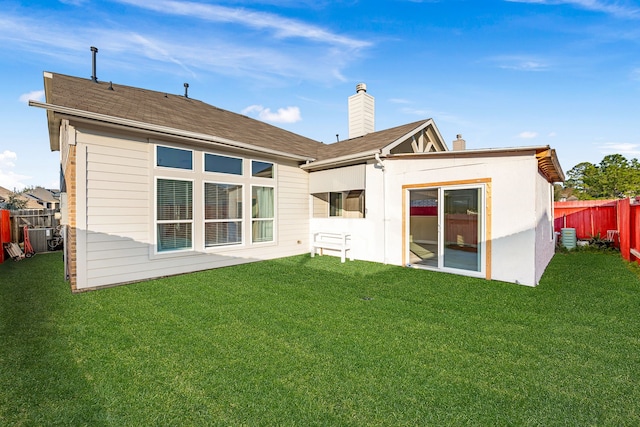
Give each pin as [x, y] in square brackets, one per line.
[593, 217]
[589, 218]
[5, 231]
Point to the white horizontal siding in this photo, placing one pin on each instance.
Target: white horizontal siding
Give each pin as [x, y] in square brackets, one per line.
[119, 205]
[107, 185]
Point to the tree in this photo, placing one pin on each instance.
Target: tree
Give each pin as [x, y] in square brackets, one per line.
[15, 202]
[614, 177]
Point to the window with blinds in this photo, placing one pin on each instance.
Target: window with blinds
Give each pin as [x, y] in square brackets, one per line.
[222, 214]
[174, 214]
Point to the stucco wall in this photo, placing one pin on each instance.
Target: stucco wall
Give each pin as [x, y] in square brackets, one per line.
[514, 191]
[545, 239]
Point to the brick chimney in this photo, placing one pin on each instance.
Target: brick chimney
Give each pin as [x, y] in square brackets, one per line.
[361, 112]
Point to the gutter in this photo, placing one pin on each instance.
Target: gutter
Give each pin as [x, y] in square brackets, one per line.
[340, 161]
[165, 130]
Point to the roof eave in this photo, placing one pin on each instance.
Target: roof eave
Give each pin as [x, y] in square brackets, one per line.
[55, 111]
[340, 161]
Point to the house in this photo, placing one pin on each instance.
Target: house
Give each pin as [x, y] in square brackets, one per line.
[30, 203]
[45, 198]
[157, 184]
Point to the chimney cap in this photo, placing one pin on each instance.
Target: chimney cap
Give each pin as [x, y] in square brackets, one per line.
[361, 87]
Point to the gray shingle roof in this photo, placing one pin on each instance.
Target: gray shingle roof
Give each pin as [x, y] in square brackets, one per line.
[174, 111]
[191, 115]
[369, 142]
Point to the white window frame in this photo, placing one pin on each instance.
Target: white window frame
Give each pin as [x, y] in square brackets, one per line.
[156, 221]
[272, 219]
[204, 162]
[155, 158]
[241, 220]
[273, 169]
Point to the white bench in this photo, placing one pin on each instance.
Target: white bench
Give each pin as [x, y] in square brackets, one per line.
[332, 241]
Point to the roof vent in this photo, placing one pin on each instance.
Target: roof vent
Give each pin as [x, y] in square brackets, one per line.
[94, 50]
[186, 90]
[459, 144]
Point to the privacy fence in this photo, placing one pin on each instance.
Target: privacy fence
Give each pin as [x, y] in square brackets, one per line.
[616, 219]
[12, 224]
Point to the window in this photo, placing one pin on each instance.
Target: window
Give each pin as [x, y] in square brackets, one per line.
[335, 204]
[353, 204]
[174, 158]
[262, 214]
[174, 214]
[222, 164]
[345, 204]
[261, 169]
[222, 214]
[320, 205]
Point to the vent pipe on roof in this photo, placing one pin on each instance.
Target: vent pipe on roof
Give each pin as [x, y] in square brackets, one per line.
[94, 50]
[459, 144]
[186, 90]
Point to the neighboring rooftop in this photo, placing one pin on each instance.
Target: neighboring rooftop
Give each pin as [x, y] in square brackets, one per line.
[31, 203]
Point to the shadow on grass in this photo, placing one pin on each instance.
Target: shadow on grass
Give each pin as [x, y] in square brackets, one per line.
[40, 381]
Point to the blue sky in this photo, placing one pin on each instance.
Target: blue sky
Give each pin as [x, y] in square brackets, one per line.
[564, 73]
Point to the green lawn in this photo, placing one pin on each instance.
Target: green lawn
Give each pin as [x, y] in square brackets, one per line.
[302, 341]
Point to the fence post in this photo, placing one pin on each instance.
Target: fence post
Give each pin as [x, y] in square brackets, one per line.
[624, 220]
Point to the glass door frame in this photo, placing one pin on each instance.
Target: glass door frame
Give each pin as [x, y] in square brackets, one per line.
[484, 217]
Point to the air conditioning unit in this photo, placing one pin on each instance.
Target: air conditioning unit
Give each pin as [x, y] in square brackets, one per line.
[39, 237]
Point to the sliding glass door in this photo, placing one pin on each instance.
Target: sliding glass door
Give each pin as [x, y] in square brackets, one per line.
[446, 228]
[462, 228]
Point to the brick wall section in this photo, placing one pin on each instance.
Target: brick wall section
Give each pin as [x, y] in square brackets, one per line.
[70, 247]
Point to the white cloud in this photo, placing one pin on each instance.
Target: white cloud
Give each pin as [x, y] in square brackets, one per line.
[551, 134]
[282, 27]
[520, 62]
[399, 101]
[635, 74]
[8, 178]
[624, 148]
[614, 8]
[6, 159]
[283, 115]
[225, 49]
[527, 135]
[36, 95]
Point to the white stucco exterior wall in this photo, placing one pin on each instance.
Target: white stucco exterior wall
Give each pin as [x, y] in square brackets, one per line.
[519, 198]
[545, 238]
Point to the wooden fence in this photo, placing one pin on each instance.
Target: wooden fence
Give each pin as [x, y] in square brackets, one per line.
[33, 218]
[591, 218]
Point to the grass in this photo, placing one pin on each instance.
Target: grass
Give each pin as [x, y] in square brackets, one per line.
[302, 341]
